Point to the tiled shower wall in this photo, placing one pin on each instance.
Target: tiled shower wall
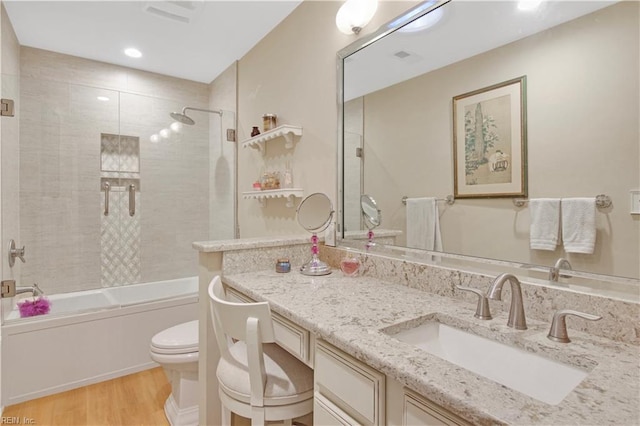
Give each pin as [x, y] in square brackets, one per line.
[61, 204]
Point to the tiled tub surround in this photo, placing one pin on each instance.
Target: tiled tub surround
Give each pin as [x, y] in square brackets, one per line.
[351, 312]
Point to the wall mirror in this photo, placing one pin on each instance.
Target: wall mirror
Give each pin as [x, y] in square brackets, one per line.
[396, 91]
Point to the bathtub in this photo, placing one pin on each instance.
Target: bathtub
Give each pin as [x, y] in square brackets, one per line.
[90, 336]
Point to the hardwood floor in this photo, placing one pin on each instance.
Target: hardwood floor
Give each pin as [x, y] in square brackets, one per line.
[137, 399]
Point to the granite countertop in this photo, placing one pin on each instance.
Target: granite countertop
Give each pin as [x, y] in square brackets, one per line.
[351, 312]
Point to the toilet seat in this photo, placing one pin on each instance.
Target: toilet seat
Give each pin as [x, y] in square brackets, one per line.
[181, 339]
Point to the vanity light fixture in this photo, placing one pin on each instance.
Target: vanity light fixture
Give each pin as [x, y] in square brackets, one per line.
[132, 52]
[354, 15]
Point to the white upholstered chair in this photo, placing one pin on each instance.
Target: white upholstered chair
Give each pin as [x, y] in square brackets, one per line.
[257, 379]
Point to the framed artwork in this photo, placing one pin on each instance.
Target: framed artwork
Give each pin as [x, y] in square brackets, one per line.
[490, 141]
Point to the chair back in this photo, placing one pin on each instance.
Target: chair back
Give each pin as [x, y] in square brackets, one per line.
[232, 317]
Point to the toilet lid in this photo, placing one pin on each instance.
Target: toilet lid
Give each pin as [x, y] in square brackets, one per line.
[182, 337]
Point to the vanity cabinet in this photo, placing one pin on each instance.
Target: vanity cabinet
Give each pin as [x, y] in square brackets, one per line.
[346, 390]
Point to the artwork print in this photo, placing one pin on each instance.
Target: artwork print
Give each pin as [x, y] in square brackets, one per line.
[490, 141]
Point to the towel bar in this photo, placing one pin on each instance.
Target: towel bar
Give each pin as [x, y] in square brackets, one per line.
[602, 201]
[449, 199]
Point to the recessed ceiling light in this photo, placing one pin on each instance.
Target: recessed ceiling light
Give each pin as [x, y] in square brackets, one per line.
[103, 98]
[132, 52]
[529, 5]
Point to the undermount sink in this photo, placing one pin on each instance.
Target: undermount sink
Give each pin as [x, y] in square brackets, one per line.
[541, 378]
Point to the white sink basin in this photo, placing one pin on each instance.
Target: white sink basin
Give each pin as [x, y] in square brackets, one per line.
[538, 377]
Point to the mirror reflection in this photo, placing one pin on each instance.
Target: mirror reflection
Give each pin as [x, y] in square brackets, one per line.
[371, 216]
[581, 62]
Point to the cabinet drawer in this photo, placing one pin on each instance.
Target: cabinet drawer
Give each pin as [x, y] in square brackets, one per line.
[351, 385]
[418, 411]
[289, 335]
[325, 413]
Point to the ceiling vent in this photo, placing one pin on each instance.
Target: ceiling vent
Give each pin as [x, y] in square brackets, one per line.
[178, 11]
[402, 54]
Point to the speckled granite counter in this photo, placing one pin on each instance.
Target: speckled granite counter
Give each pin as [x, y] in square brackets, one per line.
[351, 312]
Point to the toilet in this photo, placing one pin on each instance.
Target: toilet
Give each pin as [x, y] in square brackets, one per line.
[176, 350]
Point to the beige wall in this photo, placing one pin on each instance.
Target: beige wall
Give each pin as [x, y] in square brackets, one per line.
[292, 72]
[583, 140]
[59, 159]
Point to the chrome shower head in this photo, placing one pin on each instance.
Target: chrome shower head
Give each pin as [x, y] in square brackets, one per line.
[183, 118]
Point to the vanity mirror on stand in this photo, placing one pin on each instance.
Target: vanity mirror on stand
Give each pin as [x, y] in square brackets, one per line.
[314, 214]
[398, 90]
[371, 215]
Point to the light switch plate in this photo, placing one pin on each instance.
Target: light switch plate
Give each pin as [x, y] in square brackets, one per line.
[635, 201]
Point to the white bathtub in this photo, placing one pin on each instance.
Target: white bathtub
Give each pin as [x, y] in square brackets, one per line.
[90, 336]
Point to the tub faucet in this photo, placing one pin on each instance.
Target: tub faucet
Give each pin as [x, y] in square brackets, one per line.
[516, 311]
[554, 272]
[34, 289]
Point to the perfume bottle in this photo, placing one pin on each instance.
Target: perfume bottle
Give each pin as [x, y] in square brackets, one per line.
[350, 265]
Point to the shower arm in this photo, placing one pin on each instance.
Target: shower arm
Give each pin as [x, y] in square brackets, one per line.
[219, 112]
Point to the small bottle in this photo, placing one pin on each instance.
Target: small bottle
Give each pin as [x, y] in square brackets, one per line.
[350, 265]
[255, 131]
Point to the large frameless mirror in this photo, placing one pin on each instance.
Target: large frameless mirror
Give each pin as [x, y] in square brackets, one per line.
[397, 90]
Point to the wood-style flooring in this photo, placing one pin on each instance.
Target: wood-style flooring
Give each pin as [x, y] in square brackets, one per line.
[137, 399]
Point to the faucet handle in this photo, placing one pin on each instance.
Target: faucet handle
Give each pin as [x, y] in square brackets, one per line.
[482, 310]
[558, 331]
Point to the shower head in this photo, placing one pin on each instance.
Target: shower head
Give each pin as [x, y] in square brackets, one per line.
[183, 118]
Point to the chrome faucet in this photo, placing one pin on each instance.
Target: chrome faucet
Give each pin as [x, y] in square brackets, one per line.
[516, 311]
[558, 331]
[35, 290]
[554, 272]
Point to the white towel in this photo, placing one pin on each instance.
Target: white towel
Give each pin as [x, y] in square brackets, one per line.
[545, 223]
[579, 225]
[423, 224]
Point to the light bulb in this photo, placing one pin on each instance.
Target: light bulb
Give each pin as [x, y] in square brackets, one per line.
[176, 126]
[165, 133]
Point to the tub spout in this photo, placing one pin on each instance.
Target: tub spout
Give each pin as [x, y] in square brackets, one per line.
[34, 289]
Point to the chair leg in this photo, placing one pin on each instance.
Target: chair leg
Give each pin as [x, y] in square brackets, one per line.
[226, 416]
[257, 416]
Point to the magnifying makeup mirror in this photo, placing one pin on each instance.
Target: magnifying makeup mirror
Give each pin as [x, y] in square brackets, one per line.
[371, 214]
[314, 214]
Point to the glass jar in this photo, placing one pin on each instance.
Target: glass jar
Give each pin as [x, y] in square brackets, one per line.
[269, 121]
[283, 265]
[350, 265]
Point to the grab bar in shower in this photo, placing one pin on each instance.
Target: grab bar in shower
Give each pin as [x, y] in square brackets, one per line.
[107, 189]
[132, 200]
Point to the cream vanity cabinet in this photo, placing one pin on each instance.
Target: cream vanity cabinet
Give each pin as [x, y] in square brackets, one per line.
[348, 391]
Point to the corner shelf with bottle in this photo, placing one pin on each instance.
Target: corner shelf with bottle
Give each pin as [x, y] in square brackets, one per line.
[270, 185]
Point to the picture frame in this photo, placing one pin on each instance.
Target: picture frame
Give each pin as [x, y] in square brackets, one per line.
[490, 141]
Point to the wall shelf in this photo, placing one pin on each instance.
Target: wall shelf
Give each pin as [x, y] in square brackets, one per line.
[262, 196]
[285, 131]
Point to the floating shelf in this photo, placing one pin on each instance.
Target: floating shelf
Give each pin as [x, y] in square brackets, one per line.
[262, 196]
[285, 131]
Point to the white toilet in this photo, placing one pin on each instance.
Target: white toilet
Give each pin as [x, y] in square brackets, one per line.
[176, 349]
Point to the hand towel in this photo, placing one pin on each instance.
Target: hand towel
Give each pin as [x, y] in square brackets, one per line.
[545, 223]
[579, 225]
[423, 224]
